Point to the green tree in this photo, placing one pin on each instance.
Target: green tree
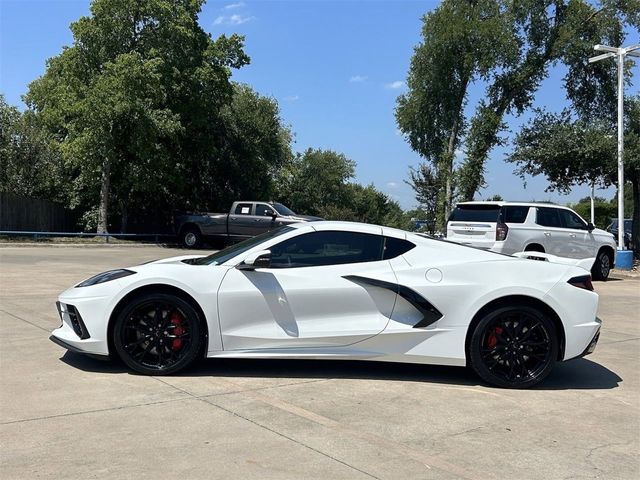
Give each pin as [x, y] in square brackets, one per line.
[30, 165]
[426, 186]
[316, 180]
[570, 151]
[135, 101]
[462, 41]
[548, 32]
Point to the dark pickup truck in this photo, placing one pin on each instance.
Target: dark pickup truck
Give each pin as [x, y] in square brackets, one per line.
[244, 220]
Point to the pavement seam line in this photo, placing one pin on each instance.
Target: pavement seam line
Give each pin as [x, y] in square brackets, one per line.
[26, 321]
[373, 439]
[99, 410]
[235, 414]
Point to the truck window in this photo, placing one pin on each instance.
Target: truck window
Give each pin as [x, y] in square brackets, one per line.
[475, 213]
[548, 217]
[571, 220]
[514, 214]
[263, 210]
[243, 209]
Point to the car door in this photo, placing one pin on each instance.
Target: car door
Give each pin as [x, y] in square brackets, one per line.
[323, 289]
[241, 220]
[263, 218]
[554, 238]
[581, 243]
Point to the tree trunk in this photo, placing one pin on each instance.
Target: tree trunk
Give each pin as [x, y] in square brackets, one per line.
[448, 189]
[103, 208]
[124, 215]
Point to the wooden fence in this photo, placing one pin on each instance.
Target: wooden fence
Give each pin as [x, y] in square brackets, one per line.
[33, 214]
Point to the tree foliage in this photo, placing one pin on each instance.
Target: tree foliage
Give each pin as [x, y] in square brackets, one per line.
[509, 47]
[570, 151]
[462, 41]
[319, 182]
[135, 102]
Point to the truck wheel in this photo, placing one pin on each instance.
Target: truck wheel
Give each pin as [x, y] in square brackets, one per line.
[602, 265]
[191, 238]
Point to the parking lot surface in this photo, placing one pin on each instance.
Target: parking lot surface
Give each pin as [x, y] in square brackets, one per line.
[68, 416]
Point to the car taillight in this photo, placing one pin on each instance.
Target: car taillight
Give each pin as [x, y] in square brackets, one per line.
[583, 281]
[501, 231]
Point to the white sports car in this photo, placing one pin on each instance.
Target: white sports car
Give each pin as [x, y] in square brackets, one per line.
[339, 290]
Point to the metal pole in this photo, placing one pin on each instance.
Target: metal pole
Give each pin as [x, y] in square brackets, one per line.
[620, 150]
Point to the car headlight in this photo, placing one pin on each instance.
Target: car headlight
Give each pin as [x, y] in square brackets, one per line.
[106, 277]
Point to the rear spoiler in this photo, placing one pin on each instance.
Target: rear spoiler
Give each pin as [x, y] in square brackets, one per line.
[585, 263]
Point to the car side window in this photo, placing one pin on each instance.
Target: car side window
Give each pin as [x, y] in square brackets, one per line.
[326, 248]
[243, 209]
[548, 217]
[394, 247]
[263, 210]
[571, 220]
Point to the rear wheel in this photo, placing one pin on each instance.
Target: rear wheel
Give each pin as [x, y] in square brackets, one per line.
[191, 237]
[514, 347]
[158, 334]
[602, 266]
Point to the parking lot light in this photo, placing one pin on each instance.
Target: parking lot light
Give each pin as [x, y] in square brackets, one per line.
[620, 53]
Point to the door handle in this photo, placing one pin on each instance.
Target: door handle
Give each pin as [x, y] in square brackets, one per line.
[572, 235]
[256, 219]
[547, 234]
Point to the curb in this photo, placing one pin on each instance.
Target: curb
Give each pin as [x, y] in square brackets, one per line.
[631, 274]
[89, 245]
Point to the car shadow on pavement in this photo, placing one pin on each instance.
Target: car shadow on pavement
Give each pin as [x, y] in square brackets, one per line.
[575, 374]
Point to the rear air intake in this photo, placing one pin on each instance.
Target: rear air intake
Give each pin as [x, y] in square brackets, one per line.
[583, 281]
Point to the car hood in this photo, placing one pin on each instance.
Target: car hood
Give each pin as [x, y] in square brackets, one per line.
[171, 260]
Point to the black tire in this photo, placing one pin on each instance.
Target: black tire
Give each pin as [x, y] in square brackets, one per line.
[191, 237]
[534, 247]
[602, 266]
[513, 347]
[158, 334]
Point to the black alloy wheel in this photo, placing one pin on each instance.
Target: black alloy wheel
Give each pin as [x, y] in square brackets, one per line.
[158, 334]
[514, 347]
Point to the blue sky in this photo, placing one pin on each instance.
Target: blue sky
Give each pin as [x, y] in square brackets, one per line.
[335, 68]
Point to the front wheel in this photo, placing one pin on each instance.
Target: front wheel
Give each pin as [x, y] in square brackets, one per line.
[602, 266]
[514, 347]
[158, 334]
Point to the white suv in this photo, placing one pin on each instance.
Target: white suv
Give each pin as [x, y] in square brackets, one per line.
[510, 227]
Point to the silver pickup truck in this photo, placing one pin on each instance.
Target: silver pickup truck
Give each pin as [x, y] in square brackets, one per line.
[244, 220]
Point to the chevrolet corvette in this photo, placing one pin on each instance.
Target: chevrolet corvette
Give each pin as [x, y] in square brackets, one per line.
[339, 290]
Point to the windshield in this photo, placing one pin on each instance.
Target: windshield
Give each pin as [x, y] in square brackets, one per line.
[475, 213]
[281, 209]
[228, 253]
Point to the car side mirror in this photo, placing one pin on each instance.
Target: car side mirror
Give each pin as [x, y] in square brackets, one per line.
[261, 259]
[590, 226]
[274, 215]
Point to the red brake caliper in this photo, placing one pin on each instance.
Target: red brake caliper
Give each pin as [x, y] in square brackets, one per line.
[176, 320]
[492, 341]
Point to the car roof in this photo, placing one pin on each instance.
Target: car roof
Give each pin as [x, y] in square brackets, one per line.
[500, 203]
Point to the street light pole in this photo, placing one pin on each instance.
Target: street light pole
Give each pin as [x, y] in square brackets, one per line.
[620, 54]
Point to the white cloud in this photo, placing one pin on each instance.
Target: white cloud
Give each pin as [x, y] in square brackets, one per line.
[235, 19]
[392, 184]
[292, 98]
[358, 79]
[231, 6]
[395, 85]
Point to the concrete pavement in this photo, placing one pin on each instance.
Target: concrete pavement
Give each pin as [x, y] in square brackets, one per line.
[68, 416]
